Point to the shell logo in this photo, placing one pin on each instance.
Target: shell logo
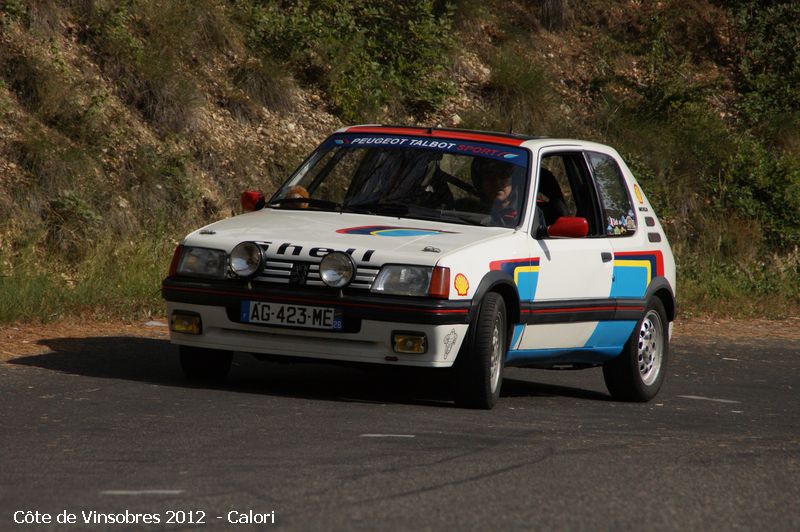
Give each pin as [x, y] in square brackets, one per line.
[638, 193]
[461, 284]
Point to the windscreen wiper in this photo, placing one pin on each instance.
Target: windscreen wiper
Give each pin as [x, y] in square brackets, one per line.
[453, 217]
[378, 207]
[303, 203]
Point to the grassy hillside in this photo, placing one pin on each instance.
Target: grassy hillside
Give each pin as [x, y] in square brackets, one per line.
[124, 124]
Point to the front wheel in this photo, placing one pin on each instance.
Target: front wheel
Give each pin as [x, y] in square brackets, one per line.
[638, 372]
[480, 362]
[205, 366]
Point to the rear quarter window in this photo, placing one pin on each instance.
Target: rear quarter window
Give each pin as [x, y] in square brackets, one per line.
[618, 214]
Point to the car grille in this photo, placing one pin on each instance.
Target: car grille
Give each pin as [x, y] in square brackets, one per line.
[304, 273]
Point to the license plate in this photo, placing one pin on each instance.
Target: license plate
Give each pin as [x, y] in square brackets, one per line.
[267, 313]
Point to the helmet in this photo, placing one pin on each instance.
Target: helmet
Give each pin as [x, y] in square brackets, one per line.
[482, 167]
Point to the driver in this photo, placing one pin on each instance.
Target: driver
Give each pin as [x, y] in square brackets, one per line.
[494, 184]
[297, 192]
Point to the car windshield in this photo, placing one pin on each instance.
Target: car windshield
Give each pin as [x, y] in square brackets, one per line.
[440, 179]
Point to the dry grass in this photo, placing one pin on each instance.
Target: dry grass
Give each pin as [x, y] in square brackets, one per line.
[25, 339]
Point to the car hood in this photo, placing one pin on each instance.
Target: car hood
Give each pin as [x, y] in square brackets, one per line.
[369, 239]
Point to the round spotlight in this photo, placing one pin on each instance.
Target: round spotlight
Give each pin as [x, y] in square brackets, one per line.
[246, 259]
[337, 269]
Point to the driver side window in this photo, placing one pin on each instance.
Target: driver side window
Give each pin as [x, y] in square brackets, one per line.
[565, 189]
[554, 188]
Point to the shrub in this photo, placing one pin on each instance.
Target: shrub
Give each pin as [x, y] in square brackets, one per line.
[765, 186]
[159, 185]
[54, 163]
[768, 57]
[553, 14]
[518, 97]
[141, 57]
[47, 90]
[71, 224]
[265, 82]
[11, 10]
[365, 55]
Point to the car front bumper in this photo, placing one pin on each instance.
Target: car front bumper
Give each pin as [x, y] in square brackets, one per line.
[367, 335]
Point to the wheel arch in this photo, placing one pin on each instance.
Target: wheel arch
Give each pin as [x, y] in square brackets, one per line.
[503, 284]
[661, 289]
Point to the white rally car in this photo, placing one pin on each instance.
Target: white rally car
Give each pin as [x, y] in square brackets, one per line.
[439, 248]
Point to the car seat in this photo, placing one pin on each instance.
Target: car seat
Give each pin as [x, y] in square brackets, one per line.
[555, 207]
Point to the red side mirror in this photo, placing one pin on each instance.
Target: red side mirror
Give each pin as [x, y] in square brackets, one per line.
[252, 200]
[569, 227]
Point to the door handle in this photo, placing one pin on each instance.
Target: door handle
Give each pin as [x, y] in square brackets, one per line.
[606, 256]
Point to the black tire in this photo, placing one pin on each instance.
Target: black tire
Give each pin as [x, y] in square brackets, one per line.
[484, 349]
[205, 366]
[638, 372]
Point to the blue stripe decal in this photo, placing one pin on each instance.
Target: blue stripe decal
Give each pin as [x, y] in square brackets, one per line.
[525, 273]
[610, 334]
[629, 281]
[516, 335]
[406, 232]
[526, 284]
[598, 355]
[606, 342]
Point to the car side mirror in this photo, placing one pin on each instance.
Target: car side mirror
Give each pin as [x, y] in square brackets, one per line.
[252, 200]
[569, 227]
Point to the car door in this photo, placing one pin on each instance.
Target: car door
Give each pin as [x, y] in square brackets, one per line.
[573, 275]
[636, 261]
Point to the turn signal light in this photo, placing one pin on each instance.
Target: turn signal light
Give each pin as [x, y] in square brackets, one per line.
[440, 283]
[173, 267]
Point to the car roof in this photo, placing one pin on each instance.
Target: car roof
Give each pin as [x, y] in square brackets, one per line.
[494, 137]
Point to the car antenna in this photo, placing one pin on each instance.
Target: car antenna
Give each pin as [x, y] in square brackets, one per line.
[430, 130]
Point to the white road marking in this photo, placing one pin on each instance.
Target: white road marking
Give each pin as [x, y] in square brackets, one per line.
[733, 359]
[387, 436]
[141, 492]
[701, 398]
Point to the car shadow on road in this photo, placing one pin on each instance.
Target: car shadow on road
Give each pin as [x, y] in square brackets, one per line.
[525, 388]
[155, 361]
[148, 360]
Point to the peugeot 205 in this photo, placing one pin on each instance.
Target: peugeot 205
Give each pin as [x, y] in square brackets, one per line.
[439, 248]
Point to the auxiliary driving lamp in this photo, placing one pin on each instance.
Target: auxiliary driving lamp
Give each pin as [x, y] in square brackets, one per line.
[409, 342]
[186, 323]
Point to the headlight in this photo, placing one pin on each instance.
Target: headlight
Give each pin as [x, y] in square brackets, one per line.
[337, 269]
[202, 262]
[403, 280]
[246, 259]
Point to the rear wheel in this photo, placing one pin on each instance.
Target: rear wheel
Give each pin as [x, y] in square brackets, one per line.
[205, 366]
[480, 362]
[638, 372]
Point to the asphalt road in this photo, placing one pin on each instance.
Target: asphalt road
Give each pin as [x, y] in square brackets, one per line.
[108, 425]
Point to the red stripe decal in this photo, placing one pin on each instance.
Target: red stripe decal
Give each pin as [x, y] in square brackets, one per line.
[498, 264]
[247, 295]
[563, 310]
[656, 253]
[423, 132]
